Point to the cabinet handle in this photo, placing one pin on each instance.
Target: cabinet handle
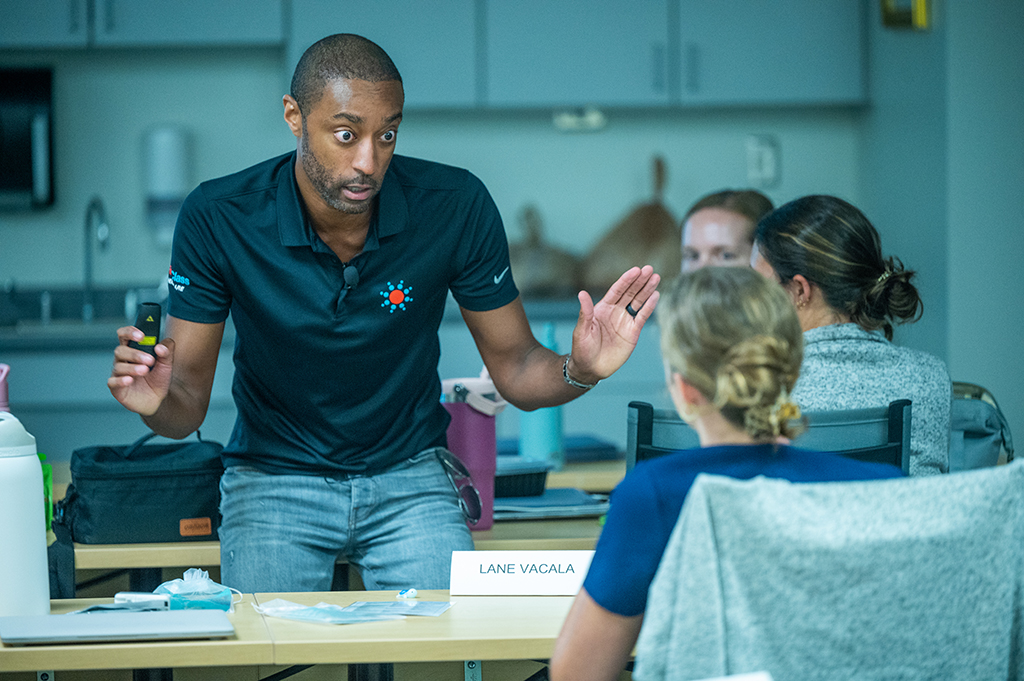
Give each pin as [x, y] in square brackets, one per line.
[658, 67]
[74, 26]
[108, 18]
[41, 158]
[692, 68]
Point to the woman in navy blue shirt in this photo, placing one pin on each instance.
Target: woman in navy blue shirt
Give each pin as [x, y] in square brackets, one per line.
[732, 347]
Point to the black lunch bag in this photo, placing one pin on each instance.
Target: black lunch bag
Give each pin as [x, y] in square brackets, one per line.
[142, 493]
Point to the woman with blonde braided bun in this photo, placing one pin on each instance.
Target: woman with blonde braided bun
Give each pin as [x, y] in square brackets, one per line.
[732, 348]
[828, 258]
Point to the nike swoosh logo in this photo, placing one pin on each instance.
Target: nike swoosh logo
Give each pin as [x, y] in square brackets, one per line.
[499, 277]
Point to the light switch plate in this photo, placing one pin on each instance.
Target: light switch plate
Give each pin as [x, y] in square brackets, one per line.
[764, 161]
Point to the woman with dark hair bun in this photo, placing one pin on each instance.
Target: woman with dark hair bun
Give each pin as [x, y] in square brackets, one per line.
[828, 257]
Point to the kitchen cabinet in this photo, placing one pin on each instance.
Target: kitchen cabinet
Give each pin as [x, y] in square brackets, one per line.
[434, 45]
[177, 23]
[130, 23]
[509, 54]
[563, 53]
[44, 23]
[560, 53]
[752, 52]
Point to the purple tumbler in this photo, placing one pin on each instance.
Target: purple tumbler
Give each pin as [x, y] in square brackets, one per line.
[473, 404]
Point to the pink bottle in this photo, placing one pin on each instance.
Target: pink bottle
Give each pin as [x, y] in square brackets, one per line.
[473, 403]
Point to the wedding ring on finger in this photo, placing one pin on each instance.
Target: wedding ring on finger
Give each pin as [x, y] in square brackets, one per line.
[630, 310]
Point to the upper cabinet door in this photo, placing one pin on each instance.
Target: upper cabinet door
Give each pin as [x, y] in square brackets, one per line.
[772, 52]
[44, 23]
[176, 23]
[543, 53]
[433, 44]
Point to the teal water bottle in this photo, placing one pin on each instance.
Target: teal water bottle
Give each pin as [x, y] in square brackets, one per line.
[540, 431]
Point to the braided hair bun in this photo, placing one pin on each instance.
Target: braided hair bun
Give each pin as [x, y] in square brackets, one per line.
[735, 336]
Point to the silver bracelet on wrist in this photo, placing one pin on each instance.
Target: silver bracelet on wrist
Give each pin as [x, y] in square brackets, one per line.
[570, 380]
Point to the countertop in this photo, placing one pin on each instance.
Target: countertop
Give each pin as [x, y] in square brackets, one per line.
[77, 336]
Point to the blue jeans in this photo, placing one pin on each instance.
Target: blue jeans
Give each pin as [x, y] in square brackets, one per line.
[285, 532]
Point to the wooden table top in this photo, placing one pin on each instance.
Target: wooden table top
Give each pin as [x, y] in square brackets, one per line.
[474, 628]
[589, 476]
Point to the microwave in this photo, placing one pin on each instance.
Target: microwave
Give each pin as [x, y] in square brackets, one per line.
[26, 138]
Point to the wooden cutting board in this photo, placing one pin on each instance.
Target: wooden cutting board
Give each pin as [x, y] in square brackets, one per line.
[648, 235]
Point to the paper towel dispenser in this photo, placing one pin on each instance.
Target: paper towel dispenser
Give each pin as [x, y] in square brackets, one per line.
[166, 157]
[26, 138]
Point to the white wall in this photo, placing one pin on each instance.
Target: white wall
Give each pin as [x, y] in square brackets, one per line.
[583, 183]
[902, 171]
[941, 171]
[105, 100]
[986, 198]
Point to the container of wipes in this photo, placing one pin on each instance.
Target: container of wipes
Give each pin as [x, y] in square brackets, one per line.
[196, 591]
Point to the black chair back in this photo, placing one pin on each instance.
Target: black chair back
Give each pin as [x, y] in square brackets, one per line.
[878, 435]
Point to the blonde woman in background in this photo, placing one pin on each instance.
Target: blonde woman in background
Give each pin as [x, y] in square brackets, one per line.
[732, 347]
[828, 258]
[719, 228]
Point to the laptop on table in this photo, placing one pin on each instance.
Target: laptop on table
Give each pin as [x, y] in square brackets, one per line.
[100, 627]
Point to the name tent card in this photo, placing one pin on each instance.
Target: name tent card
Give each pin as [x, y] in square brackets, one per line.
[518, 573]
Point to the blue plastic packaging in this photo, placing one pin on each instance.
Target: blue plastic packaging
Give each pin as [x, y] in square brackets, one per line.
[196, 591]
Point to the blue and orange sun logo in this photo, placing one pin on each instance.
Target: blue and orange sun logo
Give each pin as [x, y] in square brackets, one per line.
[396, 297]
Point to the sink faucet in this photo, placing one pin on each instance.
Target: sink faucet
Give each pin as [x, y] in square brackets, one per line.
[101, 233]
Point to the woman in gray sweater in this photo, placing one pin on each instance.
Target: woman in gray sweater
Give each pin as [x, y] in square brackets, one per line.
[828, 257]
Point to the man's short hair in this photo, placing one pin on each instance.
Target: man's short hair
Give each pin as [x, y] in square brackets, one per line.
[342, 55]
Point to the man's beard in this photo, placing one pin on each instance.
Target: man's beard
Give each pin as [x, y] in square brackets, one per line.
[330, 190]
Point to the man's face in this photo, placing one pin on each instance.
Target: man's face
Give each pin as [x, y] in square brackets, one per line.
[715, 236]
[347, 141]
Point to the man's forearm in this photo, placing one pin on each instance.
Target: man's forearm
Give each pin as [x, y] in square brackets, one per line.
[179, 415]
[541, 381]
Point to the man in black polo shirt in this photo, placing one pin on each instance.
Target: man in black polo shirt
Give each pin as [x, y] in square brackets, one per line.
[334, 262]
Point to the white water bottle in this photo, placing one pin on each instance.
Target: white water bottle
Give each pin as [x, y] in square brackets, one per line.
[24, 571]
